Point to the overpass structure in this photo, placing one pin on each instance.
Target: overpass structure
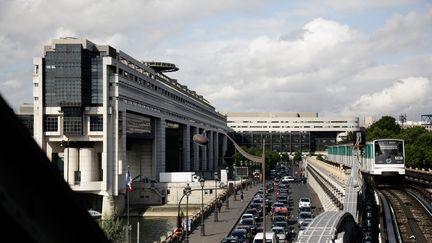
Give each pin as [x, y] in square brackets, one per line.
[338, 193]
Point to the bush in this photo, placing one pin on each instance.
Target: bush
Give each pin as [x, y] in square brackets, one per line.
[113, 229]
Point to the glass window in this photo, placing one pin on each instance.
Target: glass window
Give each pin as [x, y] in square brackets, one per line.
[73, 121]
[51, 124]
[96, 123]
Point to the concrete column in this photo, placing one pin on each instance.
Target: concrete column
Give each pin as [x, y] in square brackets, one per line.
[66, 165]
[160, 147]
[87, 158]
[204, 156]
[113, 205]
[196, 159]
[216, 151]
[72, 157]
[186, 148]
[224, 145]
[210, 150]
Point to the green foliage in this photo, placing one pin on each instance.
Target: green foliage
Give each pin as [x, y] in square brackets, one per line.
[319, 157]
[272, 157]
[113, 229]
[418, 141]
[285, 157]
[387, 123]
[297, 156]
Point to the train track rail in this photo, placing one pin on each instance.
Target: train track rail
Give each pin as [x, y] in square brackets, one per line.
[413, 220]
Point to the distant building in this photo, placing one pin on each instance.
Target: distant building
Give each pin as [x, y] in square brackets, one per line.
[289, 131]
[411, 124]
[25, 114]
[368, 121]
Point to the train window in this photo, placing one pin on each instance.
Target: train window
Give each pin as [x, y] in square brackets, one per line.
[388, 152]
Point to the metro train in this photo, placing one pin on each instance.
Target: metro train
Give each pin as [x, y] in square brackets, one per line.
[382, 161]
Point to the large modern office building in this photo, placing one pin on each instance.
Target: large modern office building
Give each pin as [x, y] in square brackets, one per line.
[99, 113]
[289, 131]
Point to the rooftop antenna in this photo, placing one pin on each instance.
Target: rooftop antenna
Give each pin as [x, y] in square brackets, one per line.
[402, 119]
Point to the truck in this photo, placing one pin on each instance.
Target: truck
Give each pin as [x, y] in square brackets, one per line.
[178, 177]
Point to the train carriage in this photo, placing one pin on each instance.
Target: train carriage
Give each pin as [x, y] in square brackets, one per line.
[382, 160]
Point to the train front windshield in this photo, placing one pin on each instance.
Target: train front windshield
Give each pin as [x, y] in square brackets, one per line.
[389, 152]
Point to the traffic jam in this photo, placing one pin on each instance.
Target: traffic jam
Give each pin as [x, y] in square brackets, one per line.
[288, 211]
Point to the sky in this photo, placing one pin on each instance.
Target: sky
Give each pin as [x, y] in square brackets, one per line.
[335, 57]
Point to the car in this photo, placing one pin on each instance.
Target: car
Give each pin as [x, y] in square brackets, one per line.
[304, 202]
[282, 211]
[258, 207]
[305, 209]
[288, 179]
[251, 223]
[283, 224]
[242, 235]
[276, 218]
[270, 238]
[247, 228]
[254, 212]
[284, 201]
[247, 216]
[304, 217]
[230, 239]
[258, 200]
[280, 233]
[277, 205]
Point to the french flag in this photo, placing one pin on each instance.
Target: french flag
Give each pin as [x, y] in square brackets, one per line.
[129, 182]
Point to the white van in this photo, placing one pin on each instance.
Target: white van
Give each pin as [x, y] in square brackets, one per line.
[270, 238]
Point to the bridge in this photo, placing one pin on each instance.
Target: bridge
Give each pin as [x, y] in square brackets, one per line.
[339, 194]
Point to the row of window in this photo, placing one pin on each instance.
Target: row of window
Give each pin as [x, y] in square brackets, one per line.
[73, 125]
[156, 88]
[291, 127]
[288, 122]
[162, 91]
[162, 78]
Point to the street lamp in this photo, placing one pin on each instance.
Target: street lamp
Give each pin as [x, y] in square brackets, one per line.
[202, 181]
[227, 194]
[203, 140]
[216, 201]
[187, 191]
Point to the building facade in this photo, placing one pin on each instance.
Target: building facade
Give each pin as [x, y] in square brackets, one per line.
[99, 113]
[289, 131]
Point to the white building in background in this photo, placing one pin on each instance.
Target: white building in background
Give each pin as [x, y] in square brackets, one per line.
[289, 131]
[99, 113]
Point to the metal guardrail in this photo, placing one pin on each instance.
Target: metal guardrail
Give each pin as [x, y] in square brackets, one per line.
[331, 190]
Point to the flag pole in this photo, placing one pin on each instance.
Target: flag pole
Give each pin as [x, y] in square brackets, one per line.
[127, 194]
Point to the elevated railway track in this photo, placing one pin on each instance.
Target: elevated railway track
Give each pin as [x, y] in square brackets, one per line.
[411, 218]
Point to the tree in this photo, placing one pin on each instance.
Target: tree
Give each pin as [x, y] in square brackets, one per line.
[297, 156]
[285, 157]
[418, 141]
[387, 123]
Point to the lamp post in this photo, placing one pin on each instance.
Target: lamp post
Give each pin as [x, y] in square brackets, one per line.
[187, 191]
[216, 201]
[202, 139]
[227, 200]
[202, 181]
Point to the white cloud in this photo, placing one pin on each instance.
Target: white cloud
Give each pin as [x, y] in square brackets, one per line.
[403, 96]
[255, 61]
[343, 5]
[11, 83]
